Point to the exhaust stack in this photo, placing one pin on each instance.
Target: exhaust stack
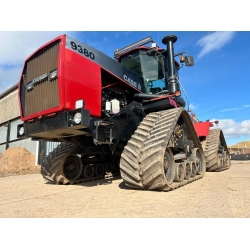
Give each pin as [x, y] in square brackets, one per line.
[170, 81]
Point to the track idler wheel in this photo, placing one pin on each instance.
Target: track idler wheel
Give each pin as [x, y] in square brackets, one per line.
[179, 172]
[89, 171]
[169, 166]
[72, 167]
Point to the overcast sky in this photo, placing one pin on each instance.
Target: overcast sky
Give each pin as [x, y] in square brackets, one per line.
[217, 86]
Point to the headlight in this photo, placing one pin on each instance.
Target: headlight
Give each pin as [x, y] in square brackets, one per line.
[21, 131]
[77, 118]
[53, 74]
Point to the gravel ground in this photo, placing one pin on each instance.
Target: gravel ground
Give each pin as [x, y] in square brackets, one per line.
[218, 195]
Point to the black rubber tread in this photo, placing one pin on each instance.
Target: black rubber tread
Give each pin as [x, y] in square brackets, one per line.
[141, 162]
[52, 165]
[214, 160]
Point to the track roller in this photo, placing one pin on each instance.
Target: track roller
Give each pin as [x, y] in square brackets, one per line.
[99, 170]
[187, 171]
[193, 169]
[89, 171]
[196, 157]
[179, 172]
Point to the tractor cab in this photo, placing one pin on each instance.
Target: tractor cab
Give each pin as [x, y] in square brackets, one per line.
[151, 67]
[157, 66]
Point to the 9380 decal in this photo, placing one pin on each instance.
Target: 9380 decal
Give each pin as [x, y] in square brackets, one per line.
[82, 50]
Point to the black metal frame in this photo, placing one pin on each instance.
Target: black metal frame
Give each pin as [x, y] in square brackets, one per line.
[59, 126]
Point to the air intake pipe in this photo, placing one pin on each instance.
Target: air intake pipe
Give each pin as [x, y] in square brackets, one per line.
[170, 81]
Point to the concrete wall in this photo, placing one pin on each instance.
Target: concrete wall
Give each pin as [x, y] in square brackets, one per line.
[9, 107]
[9, 112]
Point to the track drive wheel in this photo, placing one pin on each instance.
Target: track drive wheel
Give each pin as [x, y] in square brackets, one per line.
[72, 167]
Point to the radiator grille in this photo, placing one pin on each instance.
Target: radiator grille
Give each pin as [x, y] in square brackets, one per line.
[45, 94]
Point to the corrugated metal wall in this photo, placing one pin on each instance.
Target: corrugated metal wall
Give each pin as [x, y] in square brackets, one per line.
[50, 146]
[240, 157]
[3, 133]
[13, 140]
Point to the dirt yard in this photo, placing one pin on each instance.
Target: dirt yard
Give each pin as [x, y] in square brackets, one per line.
[17, 161]
[218, 195]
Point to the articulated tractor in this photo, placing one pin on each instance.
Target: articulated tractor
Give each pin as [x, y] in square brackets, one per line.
[116, 116]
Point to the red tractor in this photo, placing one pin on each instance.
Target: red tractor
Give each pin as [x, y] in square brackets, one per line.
[116, 116]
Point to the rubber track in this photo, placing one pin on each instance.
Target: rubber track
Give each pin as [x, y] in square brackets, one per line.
[141, 163]
[52, 166]
[211, 149]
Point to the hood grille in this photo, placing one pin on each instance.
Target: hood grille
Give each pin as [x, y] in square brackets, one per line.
[44, 95]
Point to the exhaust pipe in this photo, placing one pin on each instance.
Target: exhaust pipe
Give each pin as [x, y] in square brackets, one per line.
[171, 83]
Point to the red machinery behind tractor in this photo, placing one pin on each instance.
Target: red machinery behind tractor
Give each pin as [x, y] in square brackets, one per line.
[116, 116]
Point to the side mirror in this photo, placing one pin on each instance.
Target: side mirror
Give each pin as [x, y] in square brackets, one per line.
[189, 61]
